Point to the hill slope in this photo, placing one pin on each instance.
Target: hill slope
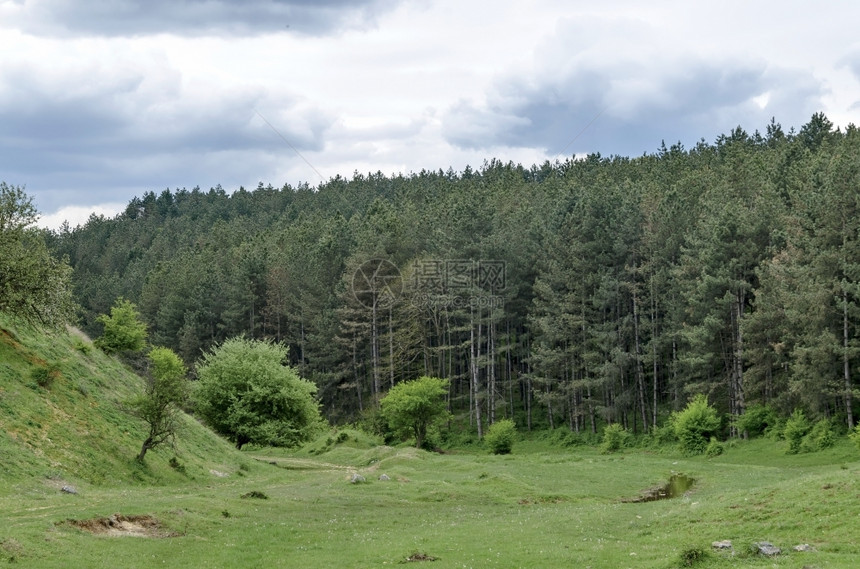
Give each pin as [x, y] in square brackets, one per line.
[62, 418]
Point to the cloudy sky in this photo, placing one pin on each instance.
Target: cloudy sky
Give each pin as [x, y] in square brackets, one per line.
[102, 101]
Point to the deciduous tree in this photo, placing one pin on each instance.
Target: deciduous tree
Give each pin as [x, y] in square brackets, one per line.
[166, 390]
[413, 406]
[34, 286]
[247, 393]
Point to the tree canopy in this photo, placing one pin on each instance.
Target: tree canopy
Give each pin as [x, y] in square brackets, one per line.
[579, 292]
[247, 393]
[34, 285]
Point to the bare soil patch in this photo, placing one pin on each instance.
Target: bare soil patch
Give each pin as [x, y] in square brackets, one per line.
[119, 525]
[418, 556]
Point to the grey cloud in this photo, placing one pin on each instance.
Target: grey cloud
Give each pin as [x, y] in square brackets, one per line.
[95, 145]
[196, 17]
[851, 60]
[632, 109]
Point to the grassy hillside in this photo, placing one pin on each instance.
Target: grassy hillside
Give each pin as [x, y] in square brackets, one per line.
[62, 419]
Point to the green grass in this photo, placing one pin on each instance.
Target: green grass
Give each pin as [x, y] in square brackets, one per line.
[534, 508]
[544, 505]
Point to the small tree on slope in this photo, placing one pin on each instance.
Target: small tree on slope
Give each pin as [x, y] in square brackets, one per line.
[159, 406]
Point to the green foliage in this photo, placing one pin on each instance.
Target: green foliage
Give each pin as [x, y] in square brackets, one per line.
[10, 550]
[692, 556]
[412, 407]
[45, 375]
[246, 393]
[563, 437]
[795, 430]
[819, 437]
[662, 435]
[34, 286]
[715, 448]
[756, 420]
[695, 425]
[855, 436]
[775, 432]
[82, 346]
[123, 329]
[176, 465]
[500, 436]
[159, 406]
[615, 437]
[433, 438]
[372, 422]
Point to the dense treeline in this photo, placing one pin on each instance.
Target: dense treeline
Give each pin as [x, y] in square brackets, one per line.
[575, 293]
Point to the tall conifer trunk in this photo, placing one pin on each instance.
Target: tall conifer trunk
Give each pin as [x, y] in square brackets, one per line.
[846, 367]
[475, 351]
[640, 372]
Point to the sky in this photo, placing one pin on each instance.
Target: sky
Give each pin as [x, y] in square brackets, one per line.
[104, 101]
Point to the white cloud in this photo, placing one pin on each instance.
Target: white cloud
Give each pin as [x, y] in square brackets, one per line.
[78, 215]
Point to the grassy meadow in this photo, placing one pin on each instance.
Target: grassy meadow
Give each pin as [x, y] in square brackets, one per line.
[205, 504]
[538, 507]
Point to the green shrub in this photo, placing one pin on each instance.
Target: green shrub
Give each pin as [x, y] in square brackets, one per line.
[10, 550]
[614, 437]
[693, 556]
[561, 436]
[695, 425]
[565, 438]
[433, 438]
[775, 432]
[176, 465]
[819, 437]
[661, 436]
[457, 438]
[500, 436]
[45, 375]
[795, 429]
[372, 422]
[715, 448]
[855, 436]
[756, 420]
[124, 329]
